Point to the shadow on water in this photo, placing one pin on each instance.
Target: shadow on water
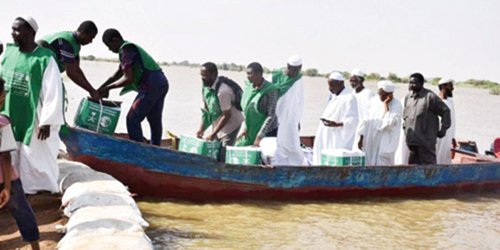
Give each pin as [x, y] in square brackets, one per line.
[167, 238]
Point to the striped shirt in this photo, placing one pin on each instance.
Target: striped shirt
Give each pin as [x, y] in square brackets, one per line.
[267, 105]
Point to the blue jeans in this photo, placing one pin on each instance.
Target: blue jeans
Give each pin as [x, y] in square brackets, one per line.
[147, 104]
[21, 211]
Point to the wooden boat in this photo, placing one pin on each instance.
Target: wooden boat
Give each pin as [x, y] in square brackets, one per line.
[161, 172]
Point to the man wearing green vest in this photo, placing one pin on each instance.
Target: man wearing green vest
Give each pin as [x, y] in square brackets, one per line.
[66, 45]
[259, 106]
[34, 103]
[289, 112]
[221, 107]
[137, 72]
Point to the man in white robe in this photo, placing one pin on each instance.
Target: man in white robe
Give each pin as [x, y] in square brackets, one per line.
[379, 133]
[36, 156]
[339, 120]
[444, 145]
[289, 111]
[363, 98]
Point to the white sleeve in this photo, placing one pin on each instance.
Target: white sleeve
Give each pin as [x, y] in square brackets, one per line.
[51, 96]
[8, 143]
[391, 118]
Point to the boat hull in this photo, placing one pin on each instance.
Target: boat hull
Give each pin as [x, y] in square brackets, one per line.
[159, 172]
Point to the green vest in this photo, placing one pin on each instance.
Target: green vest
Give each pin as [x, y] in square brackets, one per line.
[148, 62]
[68, 36]
[254, 119]
[23, 74]
[213, 111]
[283, 81]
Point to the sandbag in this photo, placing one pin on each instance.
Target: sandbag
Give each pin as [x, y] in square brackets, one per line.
[118, 241]
[78, 189]
[100, 199]
[125, 213]
[82, 175]
[100, 227]
[66, 167]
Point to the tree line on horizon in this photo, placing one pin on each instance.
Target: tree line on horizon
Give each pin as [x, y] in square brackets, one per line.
[312, 72]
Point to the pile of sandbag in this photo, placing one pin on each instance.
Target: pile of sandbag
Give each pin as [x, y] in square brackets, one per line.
[102, 214]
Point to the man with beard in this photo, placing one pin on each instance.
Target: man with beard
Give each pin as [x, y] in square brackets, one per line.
[421, 113]
[444, 145]
[34, 104]
[221, 107]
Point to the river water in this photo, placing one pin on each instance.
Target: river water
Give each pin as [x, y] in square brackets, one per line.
[469, 221]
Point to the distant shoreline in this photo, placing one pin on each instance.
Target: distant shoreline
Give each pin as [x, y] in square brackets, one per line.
[312, 72]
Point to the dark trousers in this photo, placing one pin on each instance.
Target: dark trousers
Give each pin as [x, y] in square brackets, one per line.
[21, 211]
[422, 155]
[147, 105]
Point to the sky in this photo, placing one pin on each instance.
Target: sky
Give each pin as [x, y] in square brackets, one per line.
[457, 39]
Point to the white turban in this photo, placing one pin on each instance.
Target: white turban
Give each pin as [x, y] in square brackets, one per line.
[31, 21]
[445, 81]
[386, 86]
[294, 61]
[357, 72]
[336, 76]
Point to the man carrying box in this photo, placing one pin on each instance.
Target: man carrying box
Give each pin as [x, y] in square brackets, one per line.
[139, 72]
[221, 107]
[66, 45]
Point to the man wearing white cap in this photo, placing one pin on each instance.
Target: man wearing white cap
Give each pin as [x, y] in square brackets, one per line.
[379, 132]
[363, 97]
[34, 103]
[444, 145]
[289, 112]
[339, 120]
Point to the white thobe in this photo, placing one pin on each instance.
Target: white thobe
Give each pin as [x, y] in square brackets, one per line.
[380, 131]
[363, 99]
[289, 111]
[37, 162]
[402, 152]
[341, 108]
[443, 145]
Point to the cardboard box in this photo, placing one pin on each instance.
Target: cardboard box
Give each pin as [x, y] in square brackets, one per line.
[342, 157]
[243, 155]
[96, 117]
[191, 144]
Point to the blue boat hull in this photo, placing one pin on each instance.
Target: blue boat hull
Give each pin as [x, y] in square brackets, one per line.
[160, 172]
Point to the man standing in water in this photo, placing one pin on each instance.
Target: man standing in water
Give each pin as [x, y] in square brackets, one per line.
[289, 112]
[34, 103]
[444, 145]
[66, 45]
[421, 113]
[137, 72]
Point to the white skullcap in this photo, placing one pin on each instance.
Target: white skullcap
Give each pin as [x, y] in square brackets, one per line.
[294, 61]
[336, 76]
[31, 21]
[357, 72]
[445, 80]
[386, 86]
